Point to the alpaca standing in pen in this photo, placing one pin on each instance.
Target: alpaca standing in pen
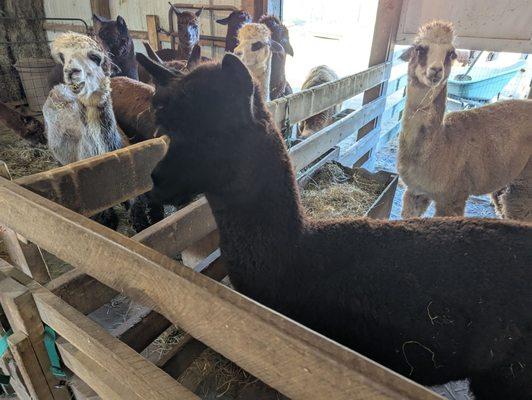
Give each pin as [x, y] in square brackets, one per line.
[447, 158]
[435, 300]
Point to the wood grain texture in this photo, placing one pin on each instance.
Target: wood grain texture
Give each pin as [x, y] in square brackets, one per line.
[28, 365]
[20, 309]
[92, 185]
[292, 359]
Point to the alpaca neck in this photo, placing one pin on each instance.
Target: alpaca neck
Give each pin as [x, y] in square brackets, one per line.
[184, 49]
[101, 132]
[260, 212]
[424, 110]
[231, 39]
[262, 74]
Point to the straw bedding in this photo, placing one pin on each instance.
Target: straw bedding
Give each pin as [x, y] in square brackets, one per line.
[339, 192]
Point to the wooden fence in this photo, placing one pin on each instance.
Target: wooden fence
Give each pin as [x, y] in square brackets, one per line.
[49, 211]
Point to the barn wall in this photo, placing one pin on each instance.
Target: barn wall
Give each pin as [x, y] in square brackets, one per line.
[135, 11]
[497, 25]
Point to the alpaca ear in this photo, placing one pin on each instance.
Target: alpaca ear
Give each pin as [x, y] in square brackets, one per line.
[122, 26]
[407, 54]
[288, 47]
[176, 10]
[223, 21]
[198, 13]
[161, 75]
[195, 58]
[97, 22]
[232, 65]
[276, 47]
[151, 53]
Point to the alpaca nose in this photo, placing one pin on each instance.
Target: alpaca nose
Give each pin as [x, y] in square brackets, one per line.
[436, 71]
[72, 72]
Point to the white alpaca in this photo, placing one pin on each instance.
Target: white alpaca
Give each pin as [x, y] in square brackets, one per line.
[255, 49]
[446, 159]
[78, 114]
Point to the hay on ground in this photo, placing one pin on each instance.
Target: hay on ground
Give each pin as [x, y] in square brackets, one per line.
[339, 192]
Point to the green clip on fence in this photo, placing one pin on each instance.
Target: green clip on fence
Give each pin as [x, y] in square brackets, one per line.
[49, 343]
[4, 379]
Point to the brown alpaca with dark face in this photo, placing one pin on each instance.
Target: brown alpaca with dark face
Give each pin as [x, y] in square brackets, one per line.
[187, 32]
[435, 300]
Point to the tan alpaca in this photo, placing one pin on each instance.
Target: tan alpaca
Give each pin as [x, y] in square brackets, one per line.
[446, 159]
[255, 49]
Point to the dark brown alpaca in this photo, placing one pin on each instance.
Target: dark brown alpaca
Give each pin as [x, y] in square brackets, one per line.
[188, 35]
[235, 21]
[436, 300]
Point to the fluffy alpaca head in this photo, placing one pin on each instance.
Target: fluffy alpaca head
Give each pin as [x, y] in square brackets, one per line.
[208, 115]
[255, 47]
[431, 56]
[86, 67]
[187, 27]
[279, 32]
[113, 35]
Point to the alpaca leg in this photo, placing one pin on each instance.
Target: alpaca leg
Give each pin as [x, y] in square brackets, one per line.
[108, 218]
[516, 198]
[414, 205]
[448, 208]
[513, 381]
[145, 212]
[497, 203]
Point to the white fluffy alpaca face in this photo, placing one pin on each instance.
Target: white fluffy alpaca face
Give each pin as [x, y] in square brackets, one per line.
[253, 53]
[83, 69]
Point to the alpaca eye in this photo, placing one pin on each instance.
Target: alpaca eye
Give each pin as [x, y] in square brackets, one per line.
[421, 50]
[257, 46]
[95, 58]
[62, 57]
[452, 55]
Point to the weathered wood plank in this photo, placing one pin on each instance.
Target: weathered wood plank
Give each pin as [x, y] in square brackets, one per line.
[24, 255]
[97, 183]
[122, 363]
[98, 378]
[286, 356]
[81, 291]
[309, 150]
[28, 365]
[181, 229]
[152, 24]
[312, 101]
[23, 317]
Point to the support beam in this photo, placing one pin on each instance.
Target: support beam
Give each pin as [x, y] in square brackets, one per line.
[384, 33]
[258, 340]
[28, 365]
[101, 8]
[152, 23]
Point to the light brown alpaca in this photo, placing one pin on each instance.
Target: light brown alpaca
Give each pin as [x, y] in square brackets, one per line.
[446, 159]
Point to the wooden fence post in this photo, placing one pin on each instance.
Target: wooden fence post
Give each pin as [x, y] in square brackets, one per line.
[101, 8]
[152, 23]
[386, 25]
[23, 316]
[24, 255]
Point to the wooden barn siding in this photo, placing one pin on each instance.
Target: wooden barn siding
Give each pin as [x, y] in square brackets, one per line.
[135, 11]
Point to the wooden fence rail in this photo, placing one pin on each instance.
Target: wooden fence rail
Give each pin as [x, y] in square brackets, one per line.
[285, 355]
